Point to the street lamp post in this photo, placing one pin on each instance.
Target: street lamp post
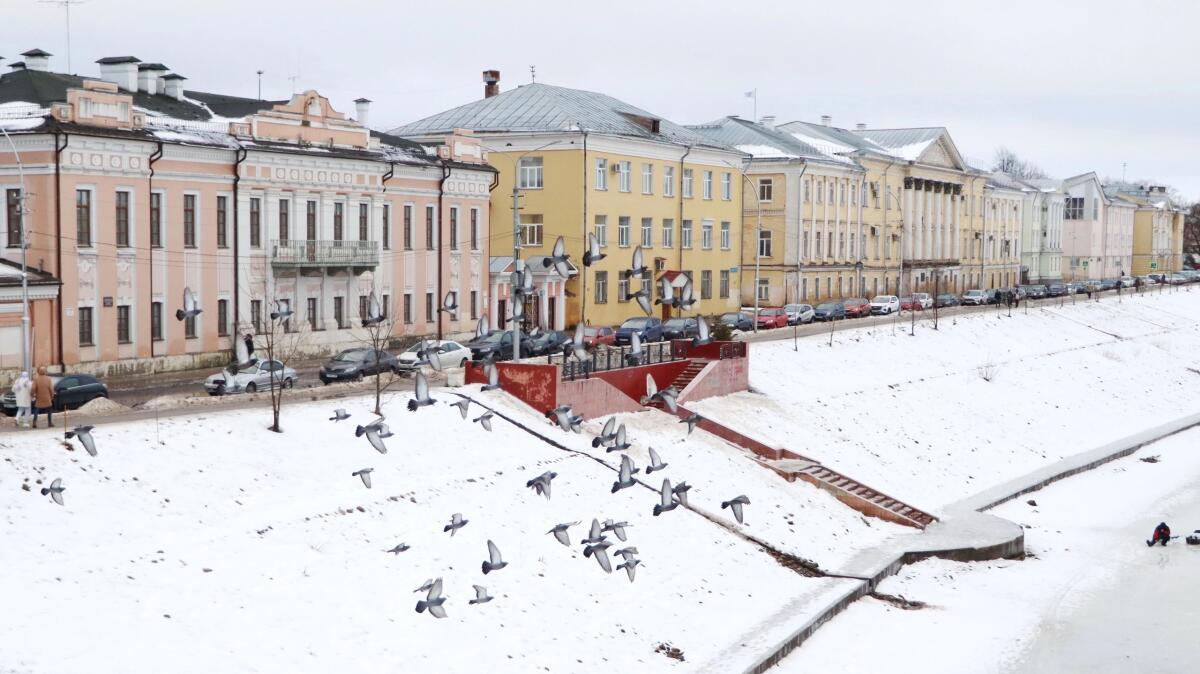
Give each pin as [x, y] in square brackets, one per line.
[757, 235]
[22, 211]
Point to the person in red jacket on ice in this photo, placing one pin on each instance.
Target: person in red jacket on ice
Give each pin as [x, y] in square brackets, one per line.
[1162, 534]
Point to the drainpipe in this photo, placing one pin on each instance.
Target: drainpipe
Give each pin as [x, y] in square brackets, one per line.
[62, 366]
[441, 222]
[680, 241]
[888, 239]
[583, 270]
[240, 155]
[799, 234]
[154, 156]
[388, 176]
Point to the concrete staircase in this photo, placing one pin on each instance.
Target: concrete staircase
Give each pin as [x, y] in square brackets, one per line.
[684, 378]
[864, 499]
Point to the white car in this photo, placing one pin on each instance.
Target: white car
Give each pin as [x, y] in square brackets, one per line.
[257, 377]
[447, 353]
[1126, 281]
[974, 296]
[799, 313]
[924, 299]
[885, 304]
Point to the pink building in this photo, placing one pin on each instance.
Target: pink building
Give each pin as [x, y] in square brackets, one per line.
[135, 189]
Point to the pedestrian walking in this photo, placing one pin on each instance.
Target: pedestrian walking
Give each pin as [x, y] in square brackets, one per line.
[23, 393]
[249, 340]
[43, 397]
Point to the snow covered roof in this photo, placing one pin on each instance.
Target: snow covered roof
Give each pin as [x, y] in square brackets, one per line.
[907, 144]
[834, 143]
[766, 143]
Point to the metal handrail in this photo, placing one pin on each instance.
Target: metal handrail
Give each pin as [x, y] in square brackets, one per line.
[325, 253]
[605, 358]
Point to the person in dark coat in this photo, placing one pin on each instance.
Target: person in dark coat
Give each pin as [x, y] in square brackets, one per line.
[43, 397]
[249, 339]
[1162, 534]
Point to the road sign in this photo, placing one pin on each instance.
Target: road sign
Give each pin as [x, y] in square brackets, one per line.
[1154, 265]
[1085, 264]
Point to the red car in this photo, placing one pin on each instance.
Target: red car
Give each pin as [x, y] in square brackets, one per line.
[909, 304]
[599, 335]
[857, 307]
[772, 317]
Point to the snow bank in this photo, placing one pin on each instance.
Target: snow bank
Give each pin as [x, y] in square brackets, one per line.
[102, 406]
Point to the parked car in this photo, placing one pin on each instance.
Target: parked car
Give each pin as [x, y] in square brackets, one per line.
[354, 364]
[70, 392]
[649, 329]
[680, 328]
[993, 296]
[798, 313]
[857, 307]
[925, 299]
[1126, 281]
[496, 345]
[1108, 284]
[736, 320]
[1158, 278]
[448, 354]
[829, 311]
[596, 335]
[885, 304]
[909, 303]
[548, 342]
[1189, 275]
[947, 300]
[1033, 292]
[1056, 290]
[1143, 281]
[1176, 279]
[975, 297]
[260, 376]
[772, 317]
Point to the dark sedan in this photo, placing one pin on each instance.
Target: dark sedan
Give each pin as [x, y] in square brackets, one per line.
[548, 341]
[354, 364]
[946, 300]
[496, 345]
[70, 392]
[736, 320]
[1056, 290]
[680, 328]
[829, 311]
[649, 329]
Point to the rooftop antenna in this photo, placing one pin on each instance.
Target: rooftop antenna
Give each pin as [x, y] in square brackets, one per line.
[1122, 171]
[260, 74]
[293, 79]
[66, 5]
[533, 73]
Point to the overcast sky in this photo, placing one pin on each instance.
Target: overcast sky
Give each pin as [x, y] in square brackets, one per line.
[1073, 86]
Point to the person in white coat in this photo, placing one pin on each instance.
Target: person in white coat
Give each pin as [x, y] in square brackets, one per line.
[23, 392]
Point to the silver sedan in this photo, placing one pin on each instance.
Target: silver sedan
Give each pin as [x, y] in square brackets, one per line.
[260, 376]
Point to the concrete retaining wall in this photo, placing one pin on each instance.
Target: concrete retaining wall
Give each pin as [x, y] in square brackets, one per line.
[718, 378]
[591, 398]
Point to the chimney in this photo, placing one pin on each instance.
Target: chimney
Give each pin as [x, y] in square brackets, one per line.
[491, 83]
[860, 127]
[362, 106]
[768, 121]
[120, 70]
[36, 59]
[173, 85]
[826, 120]
[18, 65]
[150, 77]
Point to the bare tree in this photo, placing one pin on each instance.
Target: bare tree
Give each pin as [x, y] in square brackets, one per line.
[282, 342]
[1007, 161]
[1191, 230]
[375, 332]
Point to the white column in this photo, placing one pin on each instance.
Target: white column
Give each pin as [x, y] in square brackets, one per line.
[957, 226]
[919, 224]
[909, 231]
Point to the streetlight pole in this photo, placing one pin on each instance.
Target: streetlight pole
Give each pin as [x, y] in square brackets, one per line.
[22, 211]
[757, 235]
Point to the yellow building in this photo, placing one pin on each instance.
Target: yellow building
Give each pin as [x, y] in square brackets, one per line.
[1157, 229]
[586, 163]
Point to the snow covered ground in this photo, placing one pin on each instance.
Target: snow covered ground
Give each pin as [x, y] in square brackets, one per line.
[213, 545]
[915, 416]
[1091, 598]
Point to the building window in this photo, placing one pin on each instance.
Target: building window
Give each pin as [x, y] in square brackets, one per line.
[156, 321]
[1073, 209]
[601, 287]
[623, 177]
[708, 184]
[85, 326]
[706, 234]
[454, 228]
[474, 304]
[841, 193]
[530, 173]
[622, 286]
[283, 221]
[12, 206]
[384, 306]
[706, 285]
[531, 230]
[189, 327]
[222, 223]
[474, 229]
[123, 324]
[311, 312]
[601, 173]
[685, 234]
[807, 190]
[725, 235]
[727, 186]
[830, 185]
[256, 315]
[647, 232]
[222, 317]
[363, 300]
[156, 220]
[310, 221]
[766, 189]
[338, 221]
[764, 290]
[189, 221]
[385, 228]
[647, 178]
[255, 222]
[820, 191]
[623, 231]
[339, 312]
[122, 214]
[668, 233]
[429, 239]
[668, 181]
[428, 307]
[764, 243]
[83, 218]
[408, 309]
[602, 230]
[687, 183]
[724, 283]
[364, 222]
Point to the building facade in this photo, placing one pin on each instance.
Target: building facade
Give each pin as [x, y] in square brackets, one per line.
[137, 189]
[584, 163]
[1157, 228]
[1097, 230]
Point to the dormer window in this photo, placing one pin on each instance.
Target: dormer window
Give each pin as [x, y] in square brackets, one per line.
[314, 106]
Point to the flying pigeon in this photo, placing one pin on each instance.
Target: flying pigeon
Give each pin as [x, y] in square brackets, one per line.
[425, 586]
[592, 255]
[339, 415]
[384, 431]
[607, 435]
[686, 299]
[627, 553]
[680, 491]
[481, 328]
[450, 305]
[667, 395]
[55, 490]
[521, 280]
[462, 406]
[666, 293]
[400, 547]
[374, 311]
[374, 432]
[735, 504]
[625, 475]
[656, 462]
[619, 443]
[558, 258]
[364, 475]
[433, 601]
[283, 311]
[481, 595]
[643, 299]
[84, 433]
[630, 567]
[494, 562]
[597, 550]
[421, 392]
[541, 483]
[634, 357]
[637, 270]
[617, 528]
[578, 348]
[493, 377]
[485, 420]
[560, 533]
[595, 534]
[190, 307]
[691, 421]
[427, 352]
[242, 355]
[666, 501]
[702, 335]
[565, 420]
[456, 522]
[518, 312]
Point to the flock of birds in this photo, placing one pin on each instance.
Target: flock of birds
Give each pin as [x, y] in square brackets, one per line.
[613, 437]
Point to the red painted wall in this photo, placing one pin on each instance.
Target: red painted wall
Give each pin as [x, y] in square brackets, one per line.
[536, 384]
[712, 351]
[632, 380]
[591, 398]
[718, 378]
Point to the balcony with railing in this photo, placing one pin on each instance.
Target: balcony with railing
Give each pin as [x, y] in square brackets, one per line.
[299, 253]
